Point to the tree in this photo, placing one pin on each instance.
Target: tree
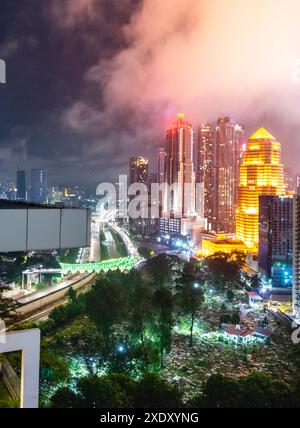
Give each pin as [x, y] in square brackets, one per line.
[88, 344]
[191, 295]
[236, 319]
[230, 295]
[112, 391]
[255, 282]
[223, 270]
[161, 269]
[65, 398]
[59, 315]
[118, 391]
[106, 304]
[153, 392]
[54, 369]
[219, 392]
[146, 252]
[163, 304]
[239, 258]
[7, 307]
[72, 295]
[262, 391]
[141, 309]
[258, 390]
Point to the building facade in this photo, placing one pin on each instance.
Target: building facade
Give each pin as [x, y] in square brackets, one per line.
[229, 144]
[261, 174]
[139, 173]
[276, 239]
[161, 157]
[138, 170]
[221, 243]
[180, 171]
[21, 185]
[206, 153]
[39, 186]
[296, 258]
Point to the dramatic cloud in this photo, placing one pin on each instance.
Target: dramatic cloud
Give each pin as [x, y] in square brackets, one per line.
[205, 57]
[68, 13]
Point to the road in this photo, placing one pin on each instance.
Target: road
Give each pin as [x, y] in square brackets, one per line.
[131, 248]
[110, 244]
[49, 290]
[95, 250]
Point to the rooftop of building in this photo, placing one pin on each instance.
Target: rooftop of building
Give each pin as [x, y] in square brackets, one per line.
[262, 134]
[254, 295]
[18, 205]
[262, 331]
[280, 298]
[235, 330]
[222, 240]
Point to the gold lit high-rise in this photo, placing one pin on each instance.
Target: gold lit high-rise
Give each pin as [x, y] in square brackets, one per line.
[262, 173]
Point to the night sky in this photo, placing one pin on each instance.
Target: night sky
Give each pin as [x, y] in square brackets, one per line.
[92, 82]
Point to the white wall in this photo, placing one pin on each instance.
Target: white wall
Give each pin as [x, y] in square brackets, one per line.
[44, 229]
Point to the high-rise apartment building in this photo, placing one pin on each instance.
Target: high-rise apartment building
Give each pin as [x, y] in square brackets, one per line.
[180, 171]
[289, 180]
[138, 170]
[206, 152]
[261, 175]
[276, 239]
[139, 173]
[296, 258]
[161, 157]
[229, 144]
[21, 185]
[39, 185]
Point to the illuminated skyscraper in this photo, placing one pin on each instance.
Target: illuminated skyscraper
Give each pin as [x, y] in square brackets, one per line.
[229, 143]
[180, 167]
[276, 239]
[138, 170]
[289, 180]
[161, 165]
[206, 152]
[296, 258]
[261, 175]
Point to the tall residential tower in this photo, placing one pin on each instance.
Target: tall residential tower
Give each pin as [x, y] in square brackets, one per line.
[229, 143]
[206, 152]
[21, 185]
[296, 258]
[180, 167]
[138, 170]
[161, 157]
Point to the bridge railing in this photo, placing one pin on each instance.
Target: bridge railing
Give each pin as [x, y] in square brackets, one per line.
[122, 264]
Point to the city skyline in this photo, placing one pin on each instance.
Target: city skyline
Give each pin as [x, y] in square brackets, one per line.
[149, 206]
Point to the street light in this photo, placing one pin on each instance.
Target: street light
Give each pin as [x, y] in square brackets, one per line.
[121, 349]
[196, 285]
